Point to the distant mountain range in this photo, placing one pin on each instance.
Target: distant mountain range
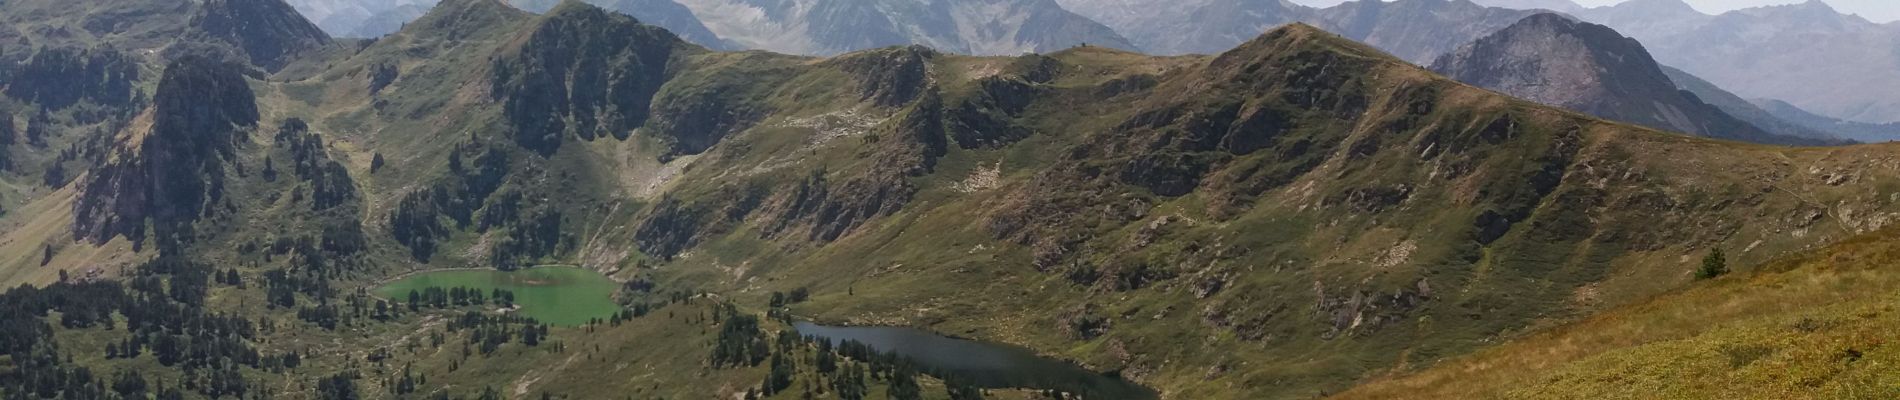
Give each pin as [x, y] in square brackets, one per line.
[361, 18]
[1552, 5]
[1416, 30]
[1808, 55]
[1551, 59]
[661, 13]
[823, 27]
[809, 27]
[1861, 131]
[1754, 114]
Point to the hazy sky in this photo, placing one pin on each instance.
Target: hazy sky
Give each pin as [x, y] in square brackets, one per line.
[1875, 10]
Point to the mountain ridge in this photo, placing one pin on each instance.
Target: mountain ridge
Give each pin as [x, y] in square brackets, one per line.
[1552, 59]
[1307, 209]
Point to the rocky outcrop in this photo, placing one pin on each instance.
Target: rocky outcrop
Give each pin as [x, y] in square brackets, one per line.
[266, 33]
[696, 117]
[581, 72]
[1551, 59]
[987, 118]
[56, 78]
[889, 77]
[676, 224]
[171, 172]
[826, 206]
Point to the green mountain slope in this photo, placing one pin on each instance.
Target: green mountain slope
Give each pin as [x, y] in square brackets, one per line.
[1281, 220]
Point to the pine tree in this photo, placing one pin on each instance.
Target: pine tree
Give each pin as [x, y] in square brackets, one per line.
[904, 385]
[1714, 265]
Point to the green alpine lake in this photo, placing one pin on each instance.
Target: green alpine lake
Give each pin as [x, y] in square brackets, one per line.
[556, 295]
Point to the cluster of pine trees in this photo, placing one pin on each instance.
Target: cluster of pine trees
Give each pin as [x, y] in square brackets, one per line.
[440, 298]
[417, 220]
[489, 332]
[161, 309]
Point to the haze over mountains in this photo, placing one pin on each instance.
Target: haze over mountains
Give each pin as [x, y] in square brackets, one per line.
[812, 27]
[1551, 59]
[1416, 30]
[1752, 52]
[1808, 54]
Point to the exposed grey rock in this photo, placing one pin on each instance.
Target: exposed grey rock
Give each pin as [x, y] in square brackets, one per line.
[1807, 54]
[1552, 59]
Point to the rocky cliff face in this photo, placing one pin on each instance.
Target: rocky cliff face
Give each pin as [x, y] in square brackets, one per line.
[169, 168]
[56, 78]
[1551, 59]
[265, 33]
[583, 73]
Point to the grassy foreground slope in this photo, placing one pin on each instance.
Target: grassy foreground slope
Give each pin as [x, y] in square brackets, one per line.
[1815, 325]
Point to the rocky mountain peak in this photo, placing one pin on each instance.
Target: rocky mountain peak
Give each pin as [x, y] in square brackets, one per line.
[582, 72]
[461, 18]
[1811, 14]
[268, 33]
[891, 76]
[169, 168]
[1294, 37]
[1555, 60]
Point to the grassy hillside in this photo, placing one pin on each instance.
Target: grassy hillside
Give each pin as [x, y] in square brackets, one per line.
[1283, 220]
[1811, 325]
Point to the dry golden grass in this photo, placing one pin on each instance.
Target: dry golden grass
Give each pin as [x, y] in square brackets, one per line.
[1810, 326]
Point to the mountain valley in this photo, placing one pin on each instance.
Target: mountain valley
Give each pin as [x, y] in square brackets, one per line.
[224, 199]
